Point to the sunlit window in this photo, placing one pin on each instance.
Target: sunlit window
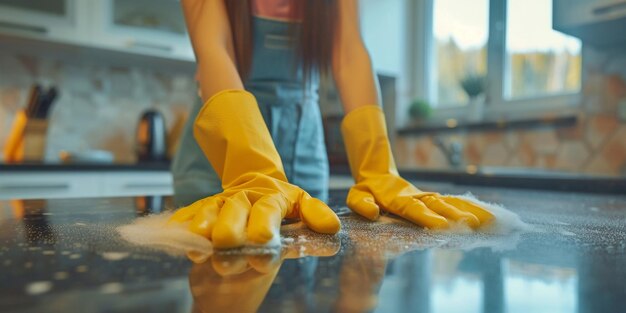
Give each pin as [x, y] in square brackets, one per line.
[539, 288]
[540, 60]
[460, 42]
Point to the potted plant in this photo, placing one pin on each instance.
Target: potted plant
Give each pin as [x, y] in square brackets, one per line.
[420, 110]
[474, 86]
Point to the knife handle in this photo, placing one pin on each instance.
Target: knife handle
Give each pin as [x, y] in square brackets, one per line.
[33, 100]
[46, 103]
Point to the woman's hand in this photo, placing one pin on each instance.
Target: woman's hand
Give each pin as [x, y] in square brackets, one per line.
[380, 187]
[253, 211]
[233, 136]
[391, 193]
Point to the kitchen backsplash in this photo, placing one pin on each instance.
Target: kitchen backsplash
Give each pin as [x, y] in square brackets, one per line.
[596, 145]
[98, 107]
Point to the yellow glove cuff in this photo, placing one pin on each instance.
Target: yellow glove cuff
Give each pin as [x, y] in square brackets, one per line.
[367, 145]
[231, 132]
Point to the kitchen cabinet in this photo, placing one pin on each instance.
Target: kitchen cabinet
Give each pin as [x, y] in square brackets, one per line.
[59, 20]
[48, 185]
[153, 28]
[133, 184]
[597, 22]
[116, 183]
[80, 184]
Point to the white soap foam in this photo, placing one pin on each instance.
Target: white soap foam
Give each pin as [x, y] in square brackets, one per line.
[173, 238]
[389, 235]
[506, 222]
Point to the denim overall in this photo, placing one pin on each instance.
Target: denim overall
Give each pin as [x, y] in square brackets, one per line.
[290, 110]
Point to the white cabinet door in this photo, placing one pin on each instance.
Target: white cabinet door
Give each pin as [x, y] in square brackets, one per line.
[49, 185]
[72, 184]
[150, 27]
[149, 183]
[61, 20]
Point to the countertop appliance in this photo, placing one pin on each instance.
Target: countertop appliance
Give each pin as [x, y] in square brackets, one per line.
[151, 137]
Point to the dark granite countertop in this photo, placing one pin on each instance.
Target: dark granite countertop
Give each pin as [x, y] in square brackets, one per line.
[65, 256]
[97, 167]
[524, 178]
[489, 125]
[512, 177]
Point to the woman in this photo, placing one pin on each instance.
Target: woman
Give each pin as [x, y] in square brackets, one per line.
[260, 128]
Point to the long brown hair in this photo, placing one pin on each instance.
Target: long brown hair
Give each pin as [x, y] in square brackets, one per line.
[316, 34]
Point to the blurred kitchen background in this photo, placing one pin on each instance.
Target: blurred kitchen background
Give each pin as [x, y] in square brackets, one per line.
[534, 86]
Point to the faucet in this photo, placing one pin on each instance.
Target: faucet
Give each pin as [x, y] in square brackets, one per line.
[453, 151]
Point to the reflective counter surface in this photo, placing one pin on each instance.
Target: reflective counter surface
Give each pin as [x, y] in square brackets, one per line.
[66, 256]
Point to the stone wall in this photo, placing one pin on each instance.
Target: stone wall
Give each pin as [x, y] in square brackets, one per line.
[595, 145]
[98, 106]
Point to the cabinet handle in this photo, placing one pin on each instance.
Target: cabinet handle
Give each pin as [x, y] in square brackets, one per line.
[42, 186]
[610, 8]
[23, 27]
[151, 46]
[140, 185]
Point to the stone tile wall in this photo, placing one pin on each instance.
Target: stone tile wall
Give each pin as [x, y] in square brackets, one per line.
[99, 105]
[596, 145]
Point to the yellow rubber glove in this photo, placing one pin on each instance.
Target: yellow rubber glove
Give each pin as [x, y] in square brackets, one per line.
[380, 187]
[233, 136]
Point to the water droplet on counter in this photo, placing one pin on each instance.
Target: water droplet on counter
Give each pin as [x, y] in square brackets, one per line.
[115, 256]
[48, 252]
[60, 275]
[75, 256]
[82, 268]
[110, 288]
[38, 287]
[594, 209]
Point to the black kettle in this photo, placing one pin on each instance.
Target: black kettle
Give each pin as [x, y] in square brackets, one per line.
[151, 138]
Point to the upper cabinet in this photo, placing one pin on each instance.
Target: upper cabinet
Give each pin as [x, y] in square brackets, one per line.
[142, 27]
[54, 19]
[599, 23]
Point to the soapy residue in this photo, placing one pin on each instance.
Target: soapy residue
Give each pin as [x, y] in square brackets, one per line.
[506, 222]
[155, 231]
[389, 235]
[38, 287]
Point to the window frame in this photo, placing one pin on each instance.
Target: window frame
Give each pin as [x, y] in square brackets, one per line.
[496, 105]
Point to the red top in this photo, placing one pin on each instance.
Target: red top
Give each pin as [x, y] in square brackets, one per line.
[275, 9]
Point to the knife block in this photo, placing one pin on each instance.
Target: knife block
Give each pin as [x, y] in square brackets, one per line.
[35, 136]
[27, 139]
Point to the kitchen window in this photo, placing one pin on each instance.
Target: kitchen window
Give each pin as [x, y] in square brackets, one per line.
[459, 41]
[508, 46]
